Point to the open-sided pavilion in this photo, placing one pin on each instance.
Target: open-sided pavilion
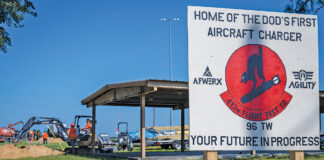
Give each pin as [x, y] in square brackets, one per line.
[146, 93]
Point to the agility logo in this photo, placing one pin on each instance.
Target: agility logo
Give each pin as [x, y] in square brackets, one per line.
[303, 80]
[207, 79]
[256, 80]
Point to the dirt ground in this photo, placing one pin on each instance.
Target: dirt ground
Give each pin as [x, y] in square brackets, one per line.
[10, 151]
[50, 140]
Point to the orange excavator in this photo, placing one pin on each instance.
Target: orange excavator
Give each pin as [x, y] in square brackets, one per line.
[8, 133]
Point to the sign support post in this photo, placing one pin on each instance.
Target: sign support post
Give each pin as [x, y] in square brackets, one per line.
[296, 155]
[210, 155]
[182, 128]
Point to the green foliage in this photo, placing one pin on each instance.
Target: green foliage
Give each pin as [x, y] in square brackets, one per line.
[11, 14]
[304, 6]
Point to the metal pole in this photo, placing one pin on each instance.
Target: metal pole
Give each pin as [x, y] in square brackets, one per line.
[118, 115]
[143, 153]
[182, 128]
[170, 117]
[170, 49]
[170, 52]
[153, 117]
[170, 63]
[93, 130]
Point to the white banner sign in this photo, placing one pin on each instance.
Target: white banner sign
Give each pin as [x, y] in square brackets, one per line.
[253, 80]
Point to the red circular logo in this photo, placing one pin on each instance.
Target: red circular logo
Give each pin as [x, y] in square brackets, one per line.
[256, 80]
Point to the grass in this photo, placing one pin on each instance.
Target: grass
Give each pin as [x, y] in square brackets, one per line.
[67, 157]
[282, 157]
[1, 144]
[55, 146]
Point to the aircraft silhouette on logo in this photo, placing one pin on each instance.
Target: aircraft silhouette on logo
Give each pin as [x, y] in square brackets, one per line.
[255, 61]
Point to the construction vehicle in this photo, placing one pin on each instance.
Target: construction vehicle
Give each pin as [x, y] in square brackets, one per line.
[42, 121]
[83, 140]
[124, 139]
[171, 137]
[52, 130]
[105, 144]
[84, 136]
[8, 133]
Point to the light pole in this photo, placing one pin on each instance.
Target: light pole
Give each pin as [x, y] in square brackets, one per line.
[170, 20]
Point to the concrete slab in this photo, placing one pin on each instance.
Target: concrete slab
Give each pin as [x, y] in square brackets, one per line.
[195, 155]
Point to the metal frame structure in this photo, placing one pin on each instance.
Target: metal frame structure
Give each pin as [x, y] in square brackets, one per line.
[146, 93]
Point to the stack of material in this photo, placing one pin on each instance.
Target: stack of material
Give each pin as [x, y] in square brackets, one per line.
[10, 151]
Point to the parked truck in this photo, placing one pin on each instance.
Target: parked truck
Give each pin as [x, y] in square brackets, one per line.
[170, 137]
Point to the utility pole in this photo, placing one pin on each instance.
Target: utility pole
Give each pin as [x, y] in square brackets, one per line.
[170, 20]
[153, 117]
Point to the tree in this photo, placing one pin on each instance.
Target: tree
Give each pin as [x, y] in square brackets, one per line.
[11, 14]
[304, 6]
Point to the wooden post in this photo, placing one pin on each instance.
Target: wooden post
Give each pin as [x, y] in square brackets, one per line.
[93, 130]
[296, 155]
[143, 153]
[210, 155]
[182, 128]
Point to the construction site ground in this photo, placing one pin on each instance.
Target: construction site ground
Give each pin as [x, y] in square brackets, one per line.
[37, 150]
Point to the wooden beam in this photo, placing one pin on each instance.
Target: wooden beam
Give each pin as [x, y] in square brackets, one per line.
[210, 155]
[131, 104]
[296, 155]
[151, 101]
[93, 129]
[182, 129]
[121, 94]
[106, 88]
[143, 152]
[168, 84]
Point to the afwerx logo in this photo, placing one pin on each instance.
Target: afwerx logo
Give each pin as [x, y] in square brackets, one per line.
[207, 79]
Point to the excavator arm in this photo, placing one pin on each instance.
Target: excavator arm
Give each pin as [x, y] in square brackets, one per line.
[12, 125]
[42, 121]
